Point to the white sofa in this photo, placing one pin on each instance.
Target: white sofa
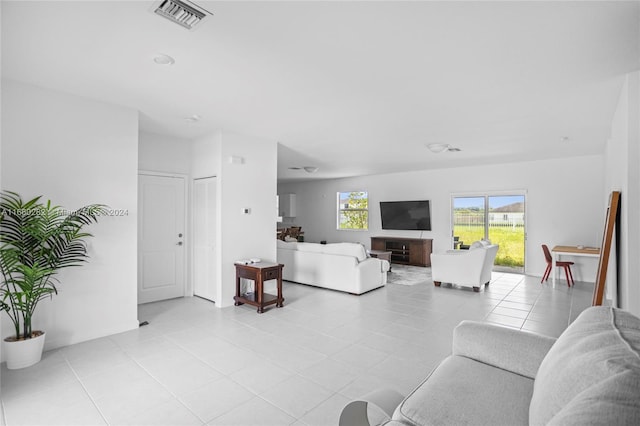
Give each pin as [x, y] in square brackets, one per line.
[496, 375]
[469, 268]
[338, 266]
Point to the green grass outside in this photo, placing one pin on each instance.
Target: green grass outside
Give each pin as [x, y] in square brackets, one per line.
[511, 241]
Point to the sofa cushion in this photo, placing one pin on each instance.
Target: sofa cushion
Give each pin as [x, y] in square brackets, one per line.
[462, 391]
[476, 245]
[591, 375]
[612, 401]
[346, 249]
[311, 247]
[286, 245]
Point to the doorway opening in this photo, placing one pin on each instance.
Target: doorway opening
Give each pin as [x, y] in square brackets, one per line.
[499, 218]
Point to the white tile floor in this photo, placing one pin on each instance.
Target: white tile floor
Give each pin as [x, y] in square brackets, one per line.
[195, 364]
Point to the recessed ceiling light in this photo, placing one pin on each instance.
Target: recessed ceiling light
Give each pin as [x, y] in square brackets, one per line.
[193, 119]
[308, 169]
[163, 59]
[438, 147]
[442, 147]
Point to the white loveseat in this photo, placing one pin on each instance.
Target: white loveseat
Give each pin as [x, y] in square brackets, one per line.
[338, 266]
[469, 268]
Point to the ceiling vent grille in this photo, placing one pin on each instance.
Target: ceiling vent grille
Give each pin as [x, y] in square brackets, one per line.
[183, 13]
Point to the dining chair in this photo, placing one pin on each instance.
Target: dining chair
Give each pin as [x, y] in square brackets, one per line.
[561, 264]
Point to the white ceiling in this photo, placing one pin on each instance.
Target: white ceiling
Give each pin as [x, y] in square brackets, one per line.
[353, 88]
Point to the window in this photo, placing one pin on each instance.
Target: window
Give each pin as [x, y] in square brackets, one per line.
[353, 210]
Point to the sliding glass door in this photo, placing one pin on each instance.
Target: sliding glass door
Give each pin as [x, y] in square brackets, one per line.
[499, 218]
[506, 227]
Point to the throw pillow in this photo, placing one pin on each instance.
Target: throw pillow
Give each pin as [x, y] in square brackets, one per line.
[597, 356]
[475, 245]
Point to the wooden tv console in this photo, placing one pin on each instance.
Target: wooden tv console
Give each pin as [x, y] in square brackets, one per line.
[408, 251]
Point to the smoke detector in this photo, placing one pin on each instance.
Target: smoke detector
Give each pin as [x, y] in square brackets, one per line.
[182, 12]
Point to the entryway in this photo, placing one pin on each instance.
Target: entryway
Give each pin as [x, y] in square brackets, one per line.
[161, 237]
[497, 217]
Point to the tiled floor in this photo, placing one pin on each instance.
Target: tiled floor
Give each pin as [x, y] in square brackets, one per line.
[195, 364]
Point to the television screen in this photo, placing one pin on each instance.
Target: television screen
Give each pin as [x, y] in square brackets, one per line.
[414, 215]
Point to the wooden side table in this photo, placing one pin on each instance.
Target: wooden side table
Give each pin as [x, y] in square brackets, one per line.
[259, 273]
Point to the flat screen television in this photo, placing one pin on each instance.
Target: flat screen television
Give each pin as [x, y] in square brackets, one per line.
[406, 215]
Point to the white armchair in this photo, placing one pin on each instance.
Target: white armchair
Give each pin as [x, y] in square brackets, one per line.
[469, 268]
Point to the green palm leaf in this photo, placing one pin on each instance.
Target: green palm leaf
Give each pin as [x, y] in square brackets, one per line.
[36, 241]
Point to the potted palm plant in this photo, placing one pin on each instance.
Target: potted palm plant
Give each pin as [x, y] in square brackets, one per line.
[37, 240]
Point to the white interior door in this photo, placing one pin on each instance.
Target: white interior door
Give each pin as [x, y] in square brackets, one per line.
[161, 228]
[204, 238]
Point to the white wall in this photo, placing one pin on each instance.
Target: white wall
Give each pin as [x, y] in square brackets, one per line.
[205, 156]
[622, 163]
[159, 153]
[564, 203]
[252, 185]
[248, 184]
[77, 151]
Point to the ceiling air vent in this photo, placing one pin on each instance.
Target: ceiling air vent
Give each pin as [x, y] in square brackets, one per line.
[182, 12]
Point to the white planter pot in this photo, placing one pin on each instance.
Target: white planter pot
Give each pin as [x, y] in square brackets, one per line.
[23, 353]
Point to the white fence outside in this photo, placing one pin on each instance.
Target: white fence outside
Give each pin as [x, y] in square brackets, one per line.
[502, 220]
